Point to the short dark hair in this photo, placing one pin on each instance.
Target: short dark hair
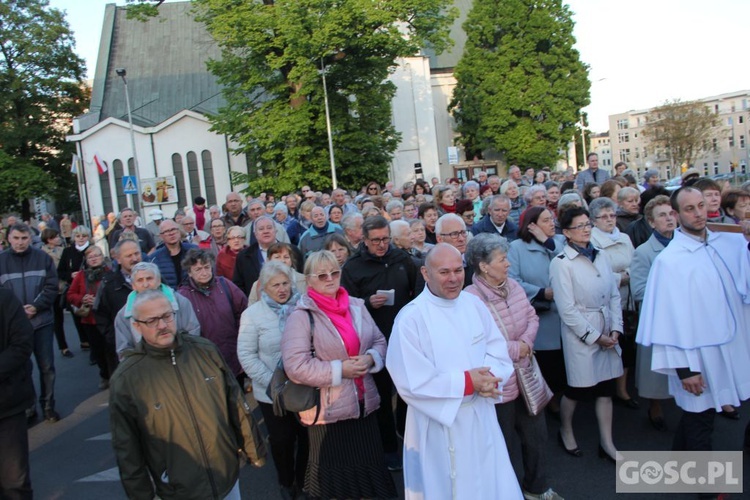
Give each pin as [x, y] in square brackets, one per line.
[730, 198]
[50, 234]
[278, 247]
[374, 222]
[199, 200]
[530, 216]
[676, 194]
[425, 207]
[706, 184]
[21, 227]
[566, 219]
[338, 238]
[592, 153]
[652, 193]
[198, 256]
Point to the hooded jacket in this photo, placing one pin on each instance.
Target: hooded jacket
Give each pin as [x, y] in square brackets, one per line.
[32, 278]
[178, 418]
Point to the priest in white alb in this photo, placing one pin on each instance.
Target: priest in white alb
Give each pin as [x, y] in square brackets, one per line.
[696, 314]
[448, 361]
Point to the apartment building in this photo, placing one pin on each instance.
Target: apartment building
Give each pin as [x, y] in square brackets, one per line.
[728, 148]
[601, 146]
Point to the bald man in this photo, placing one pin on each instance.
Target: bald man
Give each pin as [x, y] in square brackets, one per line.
[448, 361]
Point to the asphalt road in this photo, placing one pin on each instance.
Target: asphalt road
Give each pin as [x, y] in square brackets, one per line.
[73, 459]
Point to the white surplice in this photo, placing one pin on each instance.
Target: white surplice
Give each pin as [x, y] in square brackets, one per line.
[696, 314]
[453, 447]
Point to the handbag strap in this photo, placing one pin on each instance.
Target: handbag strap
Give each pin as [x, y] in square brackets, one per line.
[312, 352]
[487, 301]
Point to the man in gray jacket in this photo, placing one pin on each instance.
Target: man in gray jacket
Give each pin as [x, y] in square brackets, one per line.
[30, 274]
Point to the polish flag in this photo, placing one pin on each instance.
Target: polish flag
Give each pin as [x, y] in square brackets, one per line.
[101, 165]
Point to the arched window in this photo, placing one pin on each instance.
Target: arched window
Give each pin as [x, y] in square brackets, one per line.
[122, 199]
[195, 177]
[208, 175]
[179, 175]
[106, 193]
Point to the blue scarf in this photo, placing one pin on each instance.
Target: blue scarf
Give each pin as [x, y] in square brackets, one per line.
[661, 238]
[322, 230]
[282, 310]
[589, 251]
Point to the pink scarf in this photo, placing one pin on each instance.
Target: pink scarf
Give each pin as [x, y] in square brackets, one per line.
[337, 310]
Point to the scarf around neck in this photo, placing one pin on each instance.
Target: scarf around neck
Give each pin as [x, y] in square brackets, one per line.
[502, 290]
[662, 239]
[614, 235]
[166, 290]
[322, 230]
[281, 310]
[588, 251]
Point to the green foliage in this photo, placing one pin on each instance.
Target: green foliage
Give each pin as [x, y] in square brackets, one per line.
[143, 10]
[520, 83]
[42, 82]
[272, 53]
[684, 130]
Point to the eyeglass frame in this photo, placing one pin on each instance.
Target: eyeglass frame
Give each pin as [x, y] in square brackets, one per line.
[454, 235]
[167, 318]
[333, 275]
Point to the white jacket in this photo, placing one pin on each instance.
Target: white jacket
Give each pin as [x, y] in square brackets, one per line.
[620, 255]
[259, 346]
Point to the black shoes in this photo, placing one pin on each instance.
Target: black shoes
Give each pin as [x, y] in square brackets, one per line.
[606, 456]
[51, 416]
[657, 422]
[576, 452]
[627, 403]
[66, 353]
[31, 415]
[731, 415]
[394, 462]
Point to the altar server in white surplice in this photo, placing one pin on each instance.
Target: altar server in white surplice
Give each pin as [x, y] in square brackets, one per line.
[696, 314]
[448, 362]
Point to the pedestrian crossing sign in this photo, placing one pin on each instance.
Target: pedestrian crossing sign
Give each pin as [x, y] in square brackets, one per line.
[129, 185]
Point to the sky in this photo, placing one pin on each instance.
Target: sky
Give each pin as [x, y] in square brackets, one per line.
[640, 53]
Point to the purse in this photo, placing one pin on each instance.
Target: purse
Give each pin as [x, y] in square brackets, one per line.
[534, 390]
[288, 396]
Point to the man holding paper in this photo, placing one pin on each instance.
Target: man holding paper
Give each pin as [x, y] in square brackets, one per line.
[384, 277]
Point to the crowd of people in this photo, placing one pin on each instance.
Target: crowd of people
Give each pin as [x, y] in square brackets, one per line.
[409, 308]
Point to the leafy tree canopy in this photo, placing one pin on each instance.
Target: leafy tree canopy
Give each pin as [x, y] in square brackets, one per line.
[520, 83]
[684, 130]
[41, 79]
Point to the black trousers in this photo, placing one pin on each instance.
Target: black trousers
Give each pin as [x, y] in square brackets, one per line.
[103, 352]
[59, 324]
[15, 480]
[695, 431]
[386, 421]
[284, 433]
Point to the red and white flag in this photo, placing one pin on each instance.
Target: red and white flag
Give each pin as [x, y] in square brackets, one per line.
[101, 165]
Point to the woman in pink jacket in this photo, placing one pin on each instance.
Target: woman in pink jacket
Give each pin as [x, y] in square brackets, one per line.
[515, 317]
[346, 458]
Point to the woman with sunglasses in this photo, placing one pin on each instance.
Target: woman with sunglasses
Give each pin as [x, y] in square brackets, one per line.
[372, 189]
[588, 300]
[346, 458]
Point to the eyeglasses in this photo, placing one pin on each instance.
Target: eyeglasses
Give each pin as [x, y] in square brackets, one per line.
[454, 235]
[153, 322]
[379, 241]
[581, 227]
[170, 231]
[606, 217]
[372, 188]
[333, 275]
[236, 238]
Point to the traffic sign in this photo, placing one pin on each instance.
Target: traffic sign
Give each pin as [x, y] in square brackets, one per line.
[129, 184]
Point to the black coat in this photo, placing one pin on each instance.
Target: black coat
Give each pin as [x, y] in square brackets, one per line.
[639, 232]
[16, 345]
[247, 268]
[364, 274]
[71, 261]
[111, 297]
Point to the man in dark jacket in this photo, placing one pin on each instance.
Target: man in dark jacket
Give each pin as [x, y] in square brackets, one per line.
[16, 345]
[30, 274]
[179, 421]
[127, 221]
[496, 220]
[169, 257]
[380, 266]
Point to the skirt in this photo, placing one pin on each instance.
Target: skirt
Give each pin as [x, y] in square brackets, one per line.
[552, 364]
[650, 384]
[604, 389]
[346, 460]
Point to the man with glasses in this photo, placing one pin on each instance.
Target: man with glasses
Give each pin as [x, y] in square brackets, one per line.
[179, 421]
[451, 229]
[235, 216]
[379, 266]
[127, 221]
[496, 220]
[169, 257]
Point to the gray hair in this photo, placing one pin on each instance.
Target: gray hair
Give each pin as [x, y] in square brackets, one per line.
[470, 184]
[317, 259]
[398, 227]
[534, 189]
[81, 230]
[394, 204]
[350, 219]
[650, 173]
[272, 268]
[146, 267]
[482, 248]
[146, 297]
[281, 206]
[627, 192]
[601, 203]
[498, 197]
[122, 243]
[255, 201]
[198, 256]
[550, 184]
[448, 217]
[571, 196]
[507, 185]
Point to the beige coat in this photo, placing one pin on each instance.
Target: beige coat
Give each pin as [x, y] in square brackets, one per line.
[589, 305]
[620, 255]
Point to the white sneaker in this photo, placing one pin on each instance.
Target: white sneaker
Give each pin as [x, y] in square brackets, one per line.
[550, 494]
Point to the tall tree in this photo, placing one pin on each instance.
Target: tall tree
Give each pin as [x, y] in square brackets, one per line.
[520, 83]
[684, 131]
[41, 79]
[273, 53]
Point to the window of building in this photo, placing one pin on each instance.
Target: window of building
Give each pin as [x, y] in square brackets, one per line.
[705, 169]
[715, 145]
[716, 167]
[623, 137]
[743, 166]
[732, 106]
[731, 141]
[106, 193]
[179, 175]
[122, 199]
[744, 104]
[716, 109]
[741, 119]
[645, 152]
[208, 174]
[622, 124]
[625, 155]
[194, 175]
[742, 142]
[729, 120]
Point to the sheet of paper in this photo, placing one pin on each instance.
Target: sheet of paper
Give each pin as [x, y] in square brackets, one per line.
[391, 294]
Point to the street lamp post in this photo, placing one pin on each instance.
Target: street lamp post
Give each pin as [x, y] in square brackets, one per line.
[328, 124]
[122, 73]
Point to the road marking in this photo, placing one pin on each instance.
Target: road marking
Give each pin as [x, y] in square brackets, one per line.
[101, 437]
[112, 474]
[43, 433]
